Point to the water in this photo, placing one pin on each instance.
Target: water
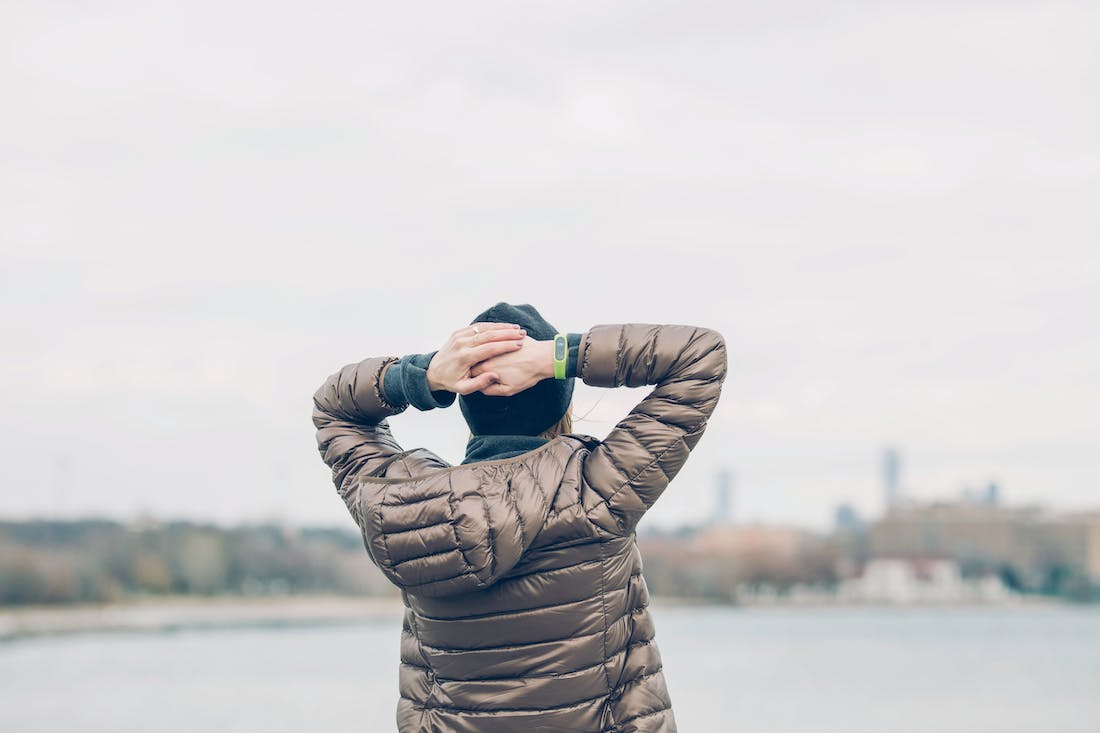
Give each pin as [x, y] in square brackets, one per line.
[786, 671]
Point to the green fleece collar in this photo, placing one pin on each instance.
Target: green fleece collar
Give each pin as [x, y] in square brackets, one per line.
[491, 447]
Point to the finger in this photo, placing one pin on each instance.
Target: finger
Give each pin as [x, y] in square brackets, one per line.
[495, 391]
[487, 351]
[482, 327]
[480, 382]
[498, 334]
[499, 390]
[485, 365]
[491, 326]
[493, 334]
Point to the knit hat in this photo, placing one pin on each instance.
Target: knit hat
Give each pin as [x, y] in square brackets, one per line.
[528, 412]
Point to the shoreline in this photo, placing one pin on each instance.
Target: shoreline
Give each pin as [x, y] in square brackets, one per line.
[173, 613]
[195, 612]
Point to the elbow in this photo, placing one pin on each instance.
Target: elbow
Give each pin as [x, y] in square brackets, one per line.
[325, 401]
[710, 355]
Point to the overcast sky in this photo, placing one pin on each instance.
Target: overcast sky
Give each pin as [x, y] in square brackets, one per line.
[889, 209]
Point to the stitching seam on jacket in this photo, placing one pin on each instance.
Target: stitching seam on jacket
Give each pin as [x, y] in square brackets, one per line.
[420, 528]
[511, 499]
[414, 558]
[430, 671]
[642, 678]
[458, 543]
[512, 678]
[557, 569]
[489, 531]
[521, 645]
[421, 500]
[603, 612]
[491, 713]
[648, 466]
[381, 524]
[506, 614]
[660, 711]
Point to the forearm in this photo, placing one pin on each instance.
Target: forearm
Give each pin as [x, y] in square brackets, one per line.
[646, 449]
[637, 354]
[349, 412]
[354, 393]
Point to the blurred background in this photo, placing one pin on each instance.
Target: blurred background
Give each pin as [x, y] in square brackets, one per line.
[889, 209]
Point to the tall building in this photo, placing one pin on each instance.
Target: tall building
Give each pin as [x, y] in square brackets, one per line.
[846, 518]
[723, 505]
[891, 475]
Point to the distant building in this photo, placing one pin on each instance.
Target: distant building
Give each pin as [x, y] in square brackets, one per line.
[847, 519]
[783, 544]
[723, 494]
[891, 476]
[1027, 542]
[906, 581]
[990, 495]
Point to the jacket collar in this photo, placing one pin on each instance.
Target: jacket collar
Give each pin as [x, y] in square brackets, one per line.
[491, 447]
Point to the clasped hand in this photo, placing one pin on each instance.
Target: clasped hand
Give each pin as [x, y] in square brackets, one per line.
[497, 359]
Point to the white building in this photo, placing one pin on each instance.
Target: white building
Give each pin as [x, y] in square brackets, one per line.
[902, 581]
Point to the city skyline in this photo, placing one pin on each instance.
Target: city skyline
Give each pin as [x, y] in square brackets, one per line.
[193, 242]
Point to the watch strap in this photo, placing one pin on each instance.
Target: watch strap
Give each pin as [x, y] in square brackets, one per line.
[561, 354]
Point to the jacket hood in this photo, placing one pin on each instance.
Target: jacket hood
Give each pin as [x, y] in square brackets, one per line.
[444, 530]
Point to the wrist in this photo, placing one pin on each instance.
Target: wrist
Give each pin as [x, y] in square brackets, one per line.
[437, 386]
[561, 355]
[405, 382]
[546, 361]
[433, 378]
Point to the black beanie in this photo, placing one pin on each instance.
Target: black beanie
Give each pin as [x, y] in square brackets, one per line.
[528, 412]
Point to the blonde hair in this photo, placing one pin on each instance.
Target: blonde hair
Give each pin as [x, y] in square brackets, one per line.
[565, 425]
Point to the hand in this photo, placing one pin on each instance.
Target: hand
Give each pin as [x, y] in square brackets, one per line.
[517, 369]
[450, 367]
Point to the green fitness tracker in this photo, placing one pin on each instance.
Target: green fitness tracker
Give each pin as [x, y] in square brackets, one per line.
[561, 350]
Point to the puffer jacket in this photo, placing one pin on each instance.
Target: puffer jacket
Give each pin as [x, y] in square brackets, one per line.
[525, 605]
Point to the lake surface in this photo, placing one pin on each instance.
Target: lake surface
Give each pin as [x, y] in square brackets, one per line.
[1029, 670]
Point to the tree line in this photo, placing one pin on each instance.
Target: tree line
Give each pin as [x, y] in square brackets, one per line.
[93, 560]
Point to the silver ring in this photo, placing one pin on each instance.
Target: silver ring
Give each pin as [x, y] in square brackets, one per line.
[475, 329]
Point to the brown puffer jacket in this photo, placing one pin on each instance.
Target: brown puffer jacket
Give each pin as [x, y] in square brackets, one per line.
[526, 609]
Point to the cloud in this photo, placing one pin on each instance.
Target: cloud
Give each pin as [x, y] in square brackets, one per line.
[887, 210]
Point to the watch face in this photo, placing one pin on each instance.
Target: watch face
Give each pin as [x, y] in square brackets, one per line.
[559, 349]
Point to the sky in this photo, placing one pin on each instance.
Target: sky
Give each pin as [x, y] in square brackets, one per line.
[888, 209]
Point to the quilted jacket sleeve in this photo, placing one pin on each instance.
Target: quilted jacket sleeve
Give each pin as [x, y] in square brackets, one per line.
[632, 466]
[353, 436]
[446, 535]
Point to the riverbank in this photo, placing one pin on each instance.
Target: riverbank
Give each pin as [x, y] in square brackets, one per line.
[173, 613]
[189, 612]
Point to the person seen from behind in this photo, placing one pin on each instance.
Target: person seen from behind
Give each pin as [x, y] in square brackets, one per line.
[525, 605]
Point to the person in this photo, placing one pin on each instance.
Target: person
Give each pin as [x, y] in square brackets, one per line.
[525, 608]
